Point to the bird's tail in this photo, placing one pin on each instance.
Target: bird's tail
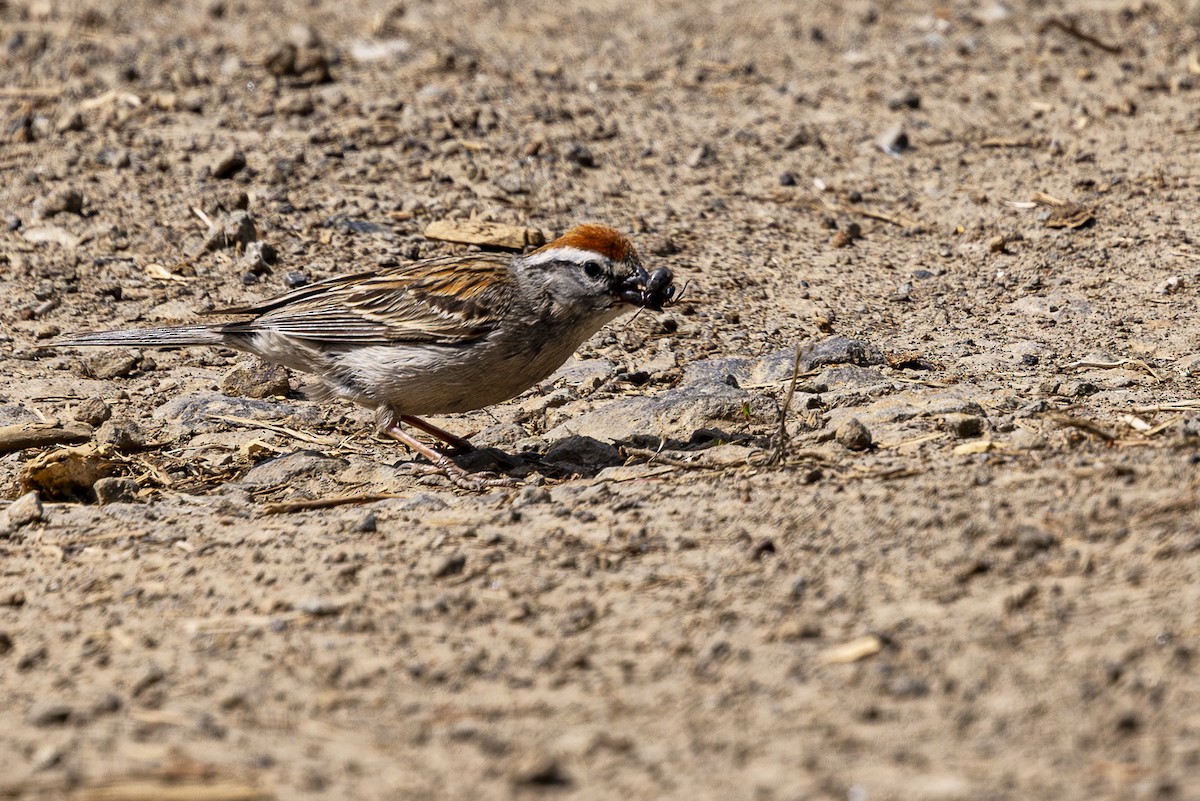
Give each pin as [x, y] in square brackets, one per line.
[176, 336]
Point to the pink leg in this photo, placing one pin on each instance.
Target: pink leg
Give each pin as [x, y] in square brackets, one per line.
[388, 423]
[461, 445]
[439, 459]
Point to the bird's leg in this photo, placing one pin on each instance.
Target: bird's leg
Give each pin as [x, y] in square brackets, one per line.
[388, 423]
[459, 444]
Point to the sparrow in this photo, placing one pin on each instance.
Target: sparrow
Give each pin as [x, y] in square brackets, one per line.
[437, 336]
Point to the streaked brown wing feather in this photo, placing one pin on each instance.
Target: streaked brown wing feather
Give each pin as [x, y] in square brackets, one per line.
[447, 300]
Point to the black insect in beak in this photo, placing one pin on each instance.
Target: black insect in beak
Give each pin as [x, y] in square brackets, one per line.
[648, 290]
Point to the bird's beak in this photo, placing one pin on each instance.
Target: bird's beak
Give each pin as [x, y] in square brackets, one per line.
[648, 290]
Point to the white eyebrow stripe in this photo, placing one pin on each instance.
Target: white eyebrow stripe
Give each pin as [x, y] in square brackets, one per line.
[577, 255]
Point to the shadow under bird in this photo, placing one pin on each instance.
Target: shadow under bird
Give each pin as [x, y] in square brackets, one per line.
[437, 336]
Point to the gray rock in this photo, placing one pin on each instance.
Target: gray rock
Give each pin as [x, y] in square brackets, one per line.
[289, 467]
[840, 350]
[258, 257]
[678, 413]
[424, 502]
[23, 511]
[963, 426]
[112, 364]
[853, 435]
[93, 411]
[720, 371]
[115, 490]
[1078, 389]
[582, 454]
[256, 379]
[64, 200]
[1056, 306]
[849, 378]
[123, 435]
[228, 162]
[235, 229]
[11, 413]
[193, 414]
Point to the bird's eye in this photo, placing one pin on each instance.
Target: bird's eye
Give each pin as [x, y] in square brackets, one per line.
[593, 269]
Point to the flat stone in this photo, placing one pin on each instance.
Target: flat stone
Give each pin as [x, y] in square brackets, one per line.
[193, 414]
[11, 413]
[256, 379]
[112, 364]
[840, 350]
[115, 490]
[289, 467]
[582, 454]
[123, 435]
[24, 510]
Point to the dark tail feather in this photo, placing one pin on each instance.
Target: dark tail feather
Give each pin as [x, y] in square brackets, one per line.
[168, 337]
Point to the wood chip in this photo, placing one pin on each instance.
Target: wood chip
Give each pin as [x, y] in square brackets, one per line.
[487, 234]
[39, 435]
[853, 651]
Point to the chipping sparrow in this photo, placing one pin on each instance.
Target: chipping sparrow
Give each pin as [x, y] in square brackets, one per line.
[438, 336]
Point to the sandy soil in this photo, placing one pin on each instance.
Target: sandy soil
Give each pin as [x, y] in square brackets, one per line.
[996, 599]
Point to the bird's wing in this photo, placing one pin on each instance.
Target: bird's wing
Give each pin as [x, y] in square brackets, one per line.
[449, 300]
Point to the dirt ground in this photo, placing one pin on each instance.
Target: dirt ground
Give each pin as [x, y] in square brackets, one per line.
[987, 587]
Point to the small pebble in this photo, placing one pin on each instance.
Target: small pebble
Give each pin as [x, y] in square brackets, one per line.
[123, 435]
[540, 770]
[236, 229]
[853, 435]
[581, 155]
[24, 510]
[93, 411]
[702, 156]
[228, 162]
[963, 426]
[48, 713]
[909, 99]
[113, 364]
[254, 379]
[450, 566]
[893, 141]
[115, 490]
[258, 257]
[65, 199]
